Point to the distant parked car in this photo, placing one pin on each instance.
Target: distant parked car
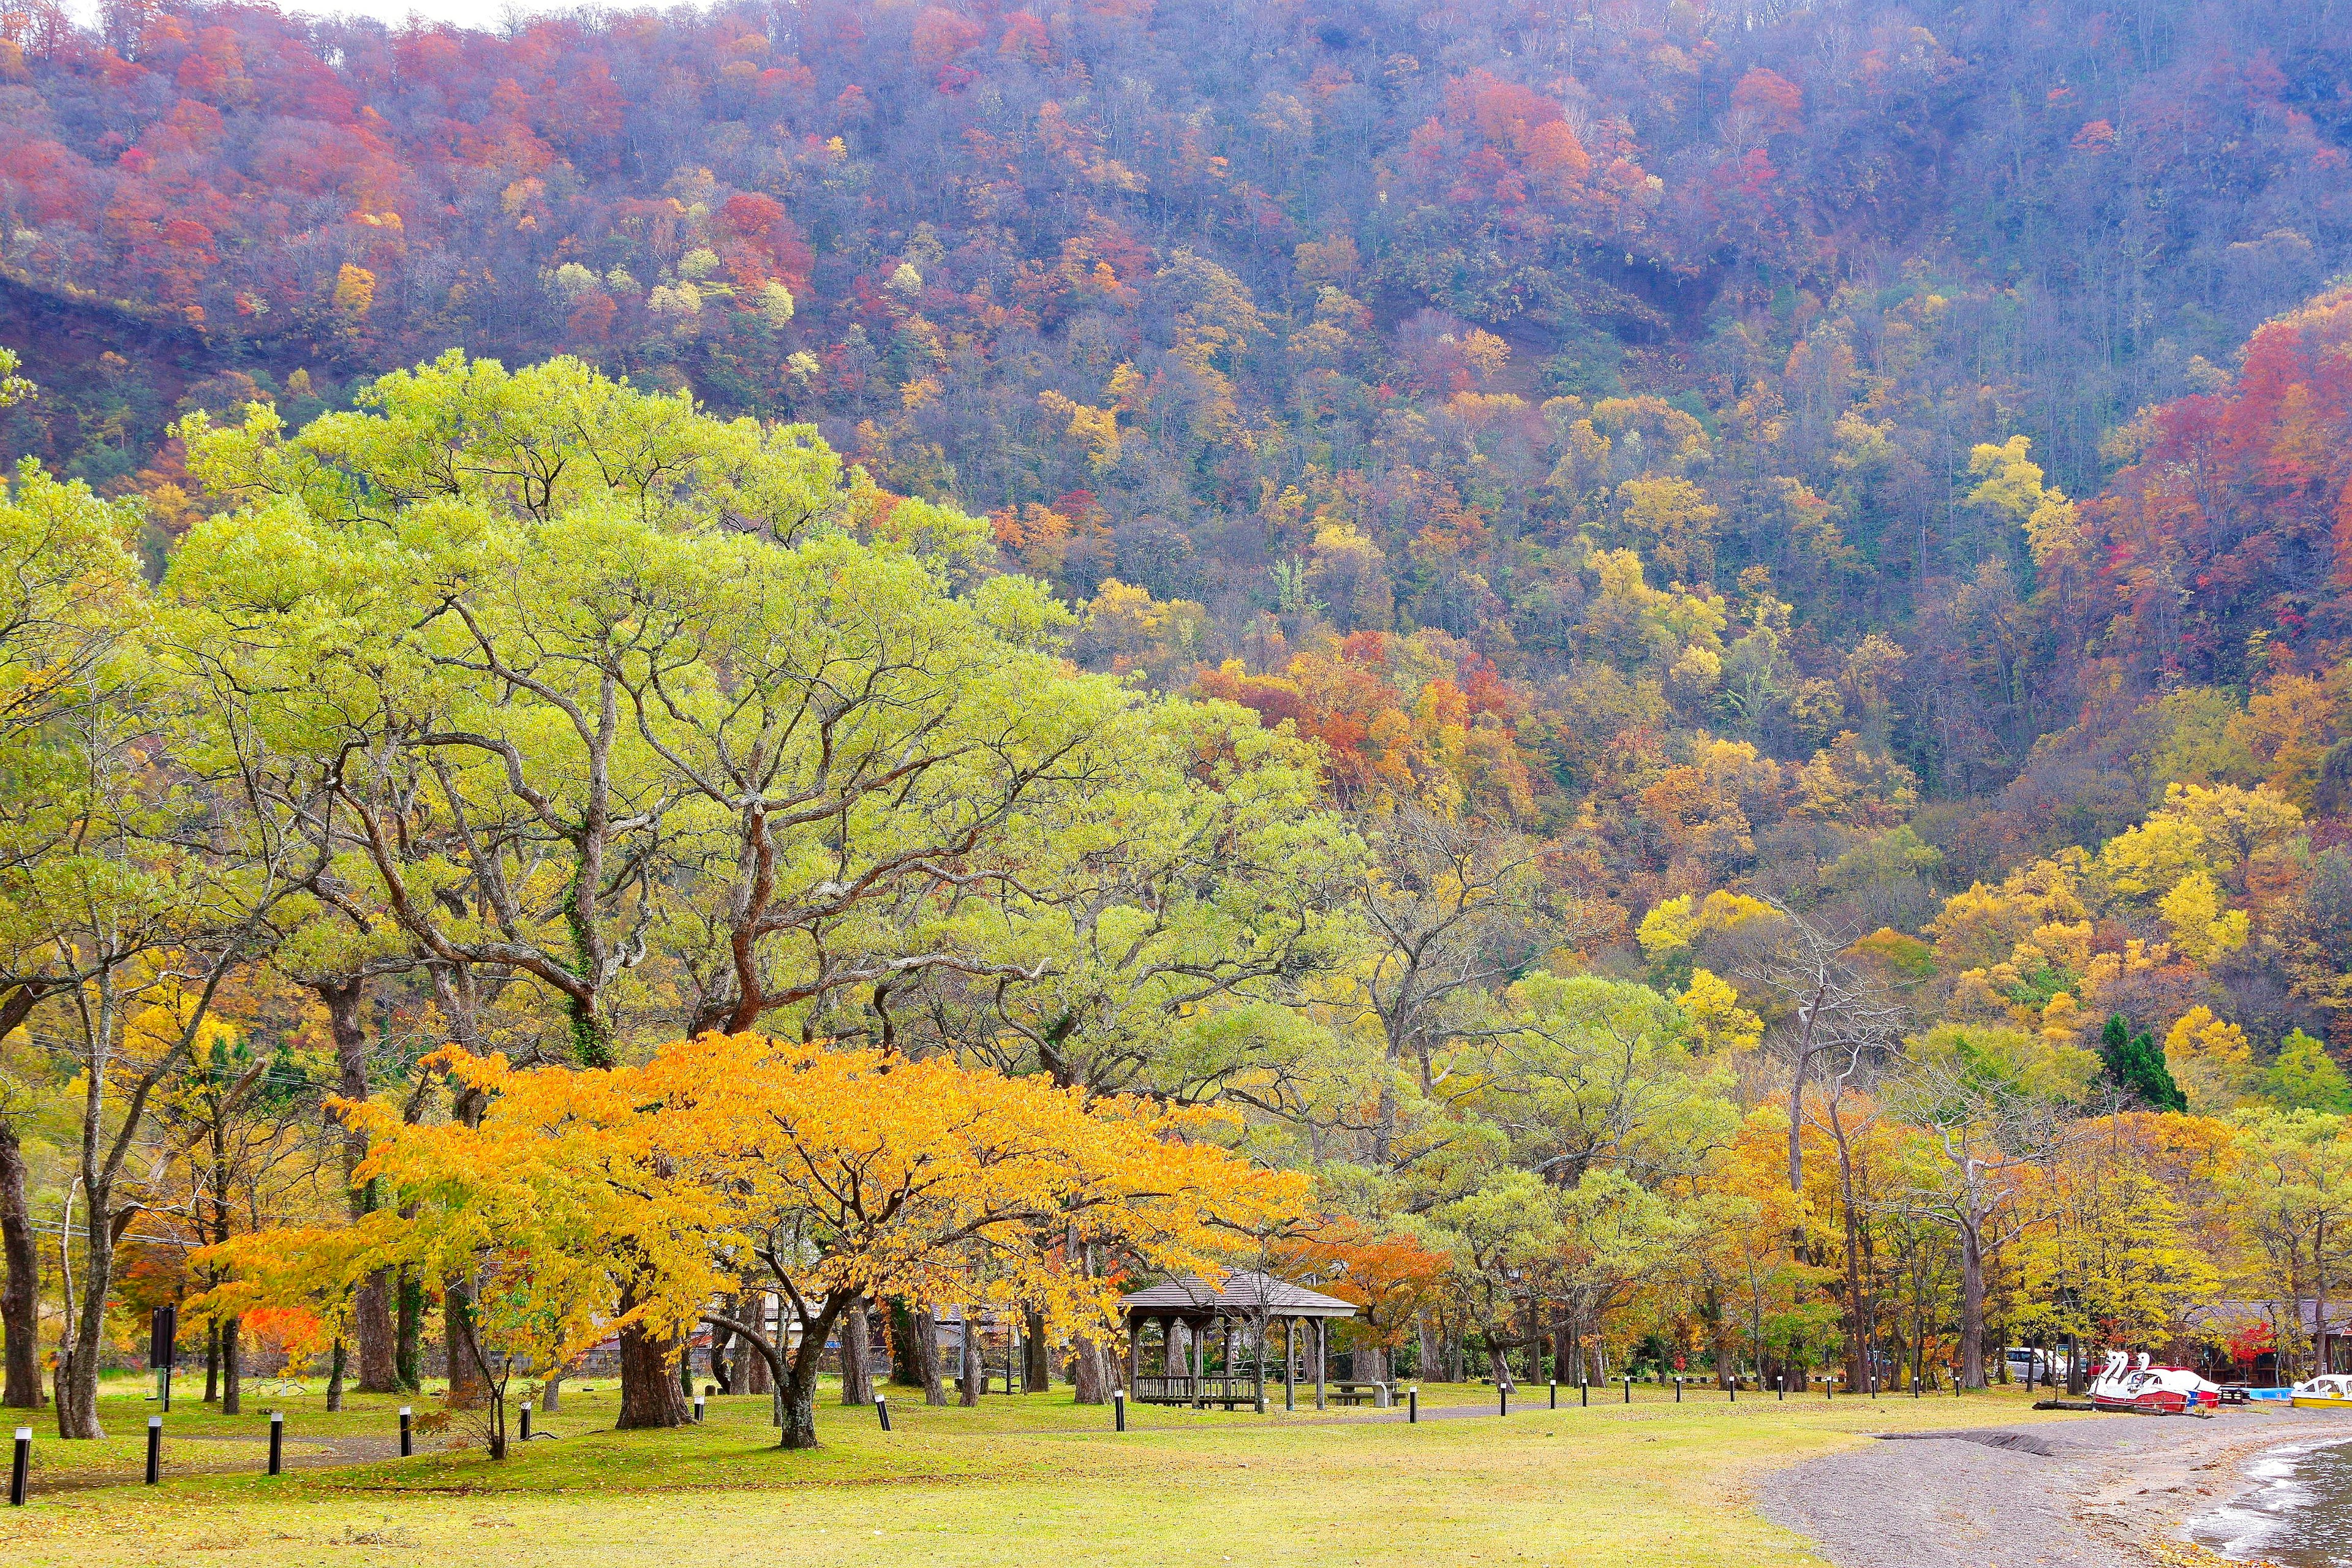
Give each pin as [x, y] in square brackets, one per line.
[2027, 1363]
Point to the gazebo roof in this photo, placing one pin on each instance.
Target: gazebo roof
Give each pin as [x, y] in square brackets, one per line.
[1239, 1295]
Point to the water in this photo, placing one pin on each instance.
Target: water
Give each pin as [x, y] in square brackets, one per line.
[2298, 1515]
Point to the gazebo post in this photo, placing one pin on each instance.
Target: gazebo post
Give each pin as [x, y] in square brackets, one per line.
[1134, 1354]
[1322, 1358]
[1200, 1338]
[1290, 1363]
[1257, 1337]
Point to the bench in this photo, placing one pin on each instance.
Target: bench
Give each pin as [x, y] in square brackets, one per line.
[1356, 1393]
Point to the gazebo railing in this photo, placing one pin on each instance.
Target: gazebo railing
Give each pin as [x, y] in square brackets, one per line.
[1182, 1389]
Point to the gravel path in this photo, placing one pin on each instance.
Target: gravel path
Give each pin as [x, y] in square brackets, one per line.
[2076, 1492]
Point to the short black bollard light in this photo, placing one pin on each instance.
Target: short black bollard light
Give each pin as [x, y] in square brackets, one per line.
[1735, 1388]
[525, 1418]
[407, 1444]
[1783, 1394]
[278, 1442]
[882, 1409]
[1628, 1389]
[1678, 1390]
[20, 1467]
[1412, 1406]
[697, 1410]
[1119, 1410]
[1502, 1399]
[1555, 1394]
[1583, 1392]
[154, 1449]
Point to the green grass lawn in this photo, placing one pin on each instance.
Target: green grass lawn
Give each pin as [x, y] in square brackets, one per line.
[1020, 1480]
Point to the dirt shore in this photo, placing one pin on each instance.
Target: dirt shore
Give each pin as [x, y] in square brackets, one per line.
[2065, 1491]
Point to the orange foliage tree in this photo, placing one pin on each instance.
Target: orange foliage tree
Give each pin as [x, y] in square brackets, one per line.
[590, 1201]
[1392, 1278]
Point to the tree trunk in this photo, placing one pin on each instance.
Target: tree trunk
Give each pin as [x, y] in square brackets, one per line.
[467, 1384]
[335, 1375]
[926, 1356]
[906, 1366]
[371, 1317]
[650, 1396]
[800, 1410]
[796, 1379]
[1037, 1370]
[1857, 1342]
[1799, 1071]
[1089, 1372]
[467, 1390]
[466, 1350]
[1719, 1339]
[372, 1326]
[856, 1355]
[78, 1401]
[723, 1349]
[795, 1376]
[550, 1392]
[212, 1360]
[20, 1298]
[232, 1367]
[974, 1370]
[1972, 1300]
[408, 1334]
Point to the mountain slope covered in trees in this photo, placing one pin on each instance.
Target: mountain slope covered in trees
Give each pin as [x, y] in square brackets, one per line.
[1639, 634]
[1739, 434]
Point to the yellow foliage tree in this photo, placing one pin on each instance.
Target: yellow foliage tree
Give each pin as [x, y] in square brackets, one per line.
[355, 293]
[828, 1176]
[2204, 924]
[2209, 1059]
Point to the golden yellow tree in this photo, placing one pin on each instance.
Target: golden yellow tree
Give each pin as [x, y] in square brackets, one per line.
[827, 1175]
[590, 1201]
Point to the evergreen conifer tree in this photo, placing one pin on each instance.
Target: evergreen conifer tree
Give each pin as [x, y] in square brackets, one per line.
[2137, 1063]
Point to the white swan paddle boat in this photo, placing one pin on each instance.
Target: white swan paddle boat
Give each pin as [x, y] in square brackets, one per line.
[2153, 1390]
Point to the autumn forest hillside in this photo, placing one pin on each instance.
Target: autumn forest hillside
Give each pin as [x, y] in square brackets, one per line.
[1652, 682]
[1844, 452]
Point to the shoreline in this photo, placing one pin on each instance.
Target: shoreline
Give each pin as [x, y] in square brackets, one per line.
[2193, 1478]
[2078, 1491]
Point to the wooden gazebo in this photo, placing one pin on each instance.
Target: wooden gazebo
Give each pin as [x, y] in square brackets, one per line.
[1250, 1300]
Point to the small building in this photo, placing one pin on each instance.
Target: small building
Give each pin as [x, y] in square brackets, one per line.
[1187, 1312]
[2262, 1343]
